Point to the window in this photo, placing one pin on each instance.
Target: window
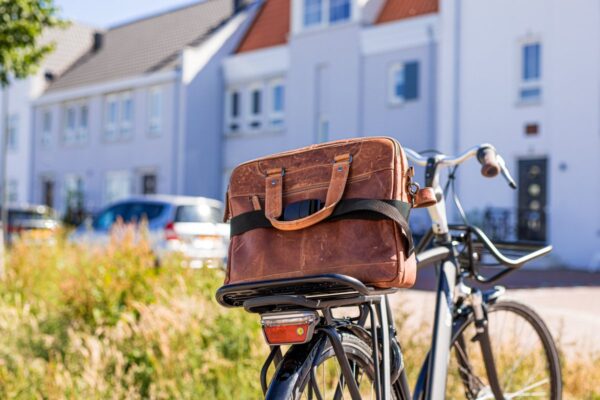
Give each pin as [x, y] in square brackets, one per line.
[76, 121]
[198, 213]
[339, 10]
[83, 122]
[277, 103]
[13, 191]
[118, 185]
[118, 116]
[255, 118]
[111, 117]
[126, 114]
[149, 183]
[13, 131]
[313, 10]
[46, 128]
[129, 212]
[74, 193]
[403, 82]
[233, 110]
[155, 110]
[318, 12]
[531, 72]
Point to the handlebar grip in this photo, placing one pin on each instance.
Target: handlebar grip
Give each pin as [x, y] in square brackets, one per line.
[488, 161]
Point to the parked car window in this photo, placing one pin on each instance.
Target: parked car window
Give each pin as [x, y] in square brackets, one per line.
[198, 213]
[129, 213]
[20, 215]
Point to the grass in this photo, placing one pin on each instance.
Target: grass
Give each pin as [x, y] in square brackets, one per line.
[107, 323]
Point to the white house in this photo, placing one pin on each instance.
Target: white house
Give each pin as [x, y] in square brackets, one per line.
[521, 75]
[70, 43]
[138, 110]
[309, 71]
[525, 76]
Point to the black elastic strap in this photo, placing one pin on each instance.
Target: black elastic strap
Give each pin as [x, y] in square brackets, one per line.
[372, 209]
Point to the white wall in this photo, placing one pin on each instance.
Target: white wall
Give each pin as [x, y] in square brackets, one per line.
[568, 114]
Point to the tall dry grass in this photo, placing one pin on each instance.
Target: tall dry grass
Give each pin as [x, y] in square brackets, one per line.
[82, 323]
[79, 323]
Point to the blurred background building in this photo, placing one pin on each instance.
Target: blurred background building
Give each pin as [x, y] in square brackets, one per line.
[171, 103]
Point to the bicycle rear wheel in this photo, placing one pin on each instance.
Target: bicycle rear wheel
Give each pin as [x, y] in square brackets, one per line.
[326, 382]
[524, 353]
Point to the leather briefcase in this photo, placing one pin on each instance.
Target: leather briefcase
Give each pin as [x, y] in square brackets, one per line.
[340, 207]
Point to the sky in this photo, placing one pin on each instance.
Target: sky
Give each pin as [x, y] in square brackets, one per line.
[107, 13]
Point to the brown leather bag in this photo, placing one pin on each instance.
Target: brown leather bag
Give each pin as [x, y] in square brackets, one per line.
[338, 207]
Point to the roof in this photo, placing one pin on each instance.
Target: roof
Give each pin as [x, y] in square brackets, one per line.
[394, 10]
[272, 25]
[146, 45]
[71, 43]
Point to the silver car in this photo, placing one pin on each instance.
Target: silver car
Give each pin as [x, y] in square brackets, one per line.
[189, 225]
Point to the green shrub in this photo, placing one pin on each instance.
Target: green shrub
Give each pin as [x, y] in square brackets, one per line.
[88, 323]
[84, 323]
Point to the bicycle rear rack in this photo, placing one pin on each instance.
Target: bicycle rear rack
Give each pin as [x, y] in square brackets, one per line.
[323, 292]
[319, 291]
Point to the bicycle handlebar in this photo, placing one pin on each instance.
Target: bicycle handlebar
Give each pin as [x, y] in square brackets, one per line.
[487, 157]
[491, 162]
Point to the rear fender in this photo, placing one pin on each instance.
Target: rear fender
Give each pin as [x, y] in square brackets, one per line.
[294, 368]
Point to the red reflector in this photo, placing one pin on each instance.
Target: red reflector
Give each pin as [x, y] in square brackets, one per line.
[289, 328]
[286, 334]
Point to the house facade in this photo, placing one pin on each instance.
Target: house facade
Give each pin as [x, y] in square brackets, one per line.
[312, 71]
[437, 76]
[123, 117]
[530, 86]
[70, 43]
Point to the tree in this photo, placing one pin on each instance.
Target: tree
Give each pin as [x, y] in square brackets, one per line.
[22, 23]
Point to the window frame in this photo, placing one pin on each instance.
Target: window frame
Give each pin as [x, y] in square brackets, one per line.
[14, 120]
[46, 131]
[276, 117]
[78, 133]
[79, 189]
[393, 71]
[155, 121]
[402, 67]
[325, 14]
[535, 84]
[122, 173]
[255, 122]
[230, 119]
[119, 129]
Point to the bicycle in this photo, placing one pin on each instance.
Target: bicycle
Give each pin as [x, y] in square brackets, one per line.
[475, 336]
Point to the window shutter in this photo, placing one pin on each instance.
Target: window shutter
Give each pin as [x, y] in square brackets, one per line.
[411, 80]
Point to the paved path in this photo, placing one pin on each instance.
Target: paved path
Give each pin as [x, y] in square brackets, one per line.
[572, 313]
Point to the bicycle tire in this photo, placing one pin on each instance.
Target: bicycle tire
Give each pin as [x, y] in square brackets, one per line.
[470, 383]
[359, 353]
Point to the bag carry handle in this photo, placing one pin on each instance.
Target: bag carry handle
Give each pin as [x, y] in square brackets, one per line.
[274, 196]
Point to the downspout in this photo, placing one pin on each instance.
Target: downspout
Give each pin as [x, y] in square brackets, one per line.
[456, 84]
[179, 142]
[432, 86]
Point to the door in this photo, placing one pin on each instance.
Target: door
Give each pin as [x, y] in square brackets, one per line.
[48, 192]
[533, 199]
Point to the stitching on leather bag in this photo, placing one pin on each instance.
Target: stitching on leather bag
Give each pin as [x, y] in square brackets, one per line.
[305, 271]
[354, 179]
[294, 152]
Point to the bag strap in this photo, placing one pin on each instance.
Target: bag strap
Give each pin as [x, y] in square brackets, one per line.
[371, 209]
[274, 201]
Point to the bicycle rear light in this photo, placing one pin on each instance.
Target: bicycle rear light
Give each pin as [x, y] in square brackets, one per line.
[289, 327]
